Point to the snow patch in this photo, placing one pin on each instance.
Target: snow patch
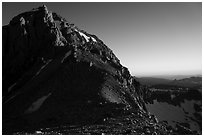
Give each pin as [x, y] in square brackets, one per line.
[87, 38]
[91, 64]
[10, 88]
[66, 55]
[37, 104]
[38, 132]
[43, 67]
[83, 35]
[10, 98]
[93, 39]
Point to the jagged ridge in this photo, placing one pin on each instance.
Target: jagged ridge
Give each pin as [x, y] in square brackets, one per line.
[54, 74]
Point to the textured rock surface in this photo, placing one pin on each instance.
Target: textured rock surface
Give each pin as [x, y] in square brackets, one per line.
[56, 74]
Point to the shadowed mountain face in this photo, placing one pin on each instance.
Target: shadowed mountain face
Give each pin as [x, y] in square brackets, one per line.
[55, 74]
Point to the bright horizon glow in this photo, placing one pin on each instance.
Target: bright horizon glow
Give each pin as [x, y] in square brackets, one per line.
[148, 38]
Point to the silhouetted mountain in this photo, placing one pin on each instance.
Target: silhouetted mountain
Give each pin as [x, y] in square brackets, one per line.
[192, 82]
[57, 75]
[170, 76]
[59, 79]
[152, 81]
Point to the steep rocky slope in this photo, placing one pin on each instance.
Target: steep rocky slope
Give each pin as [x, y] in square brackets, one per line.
[55, 74]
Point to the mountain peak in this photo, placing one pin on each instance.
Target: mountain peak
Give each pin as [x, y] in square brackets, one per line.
[55, 73]
[40, 46]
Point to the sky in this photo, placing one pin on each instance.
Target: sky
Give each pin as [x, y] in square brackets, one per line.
[148, 38]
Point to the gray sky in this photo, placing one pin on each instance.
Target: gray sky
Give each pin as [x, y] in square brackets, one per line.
[148, 38]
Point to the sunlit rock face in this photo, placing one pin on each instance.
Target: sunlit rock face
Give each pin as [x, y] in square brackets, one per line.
[54, 73]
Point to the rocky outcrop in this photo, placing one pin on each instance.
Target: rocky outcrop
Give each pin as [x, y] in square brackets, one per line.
[55, 74]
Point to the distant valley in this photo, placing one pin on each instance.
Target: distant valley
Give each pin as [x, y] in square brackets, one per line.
[181, 98]
[188, 82]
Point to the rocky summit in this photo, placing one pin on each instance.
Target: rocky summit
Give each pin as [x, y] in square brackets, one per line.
[59, 79]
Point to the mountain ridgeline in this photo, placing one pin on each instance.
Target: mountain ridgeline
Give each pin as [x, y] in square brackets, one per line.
[57, 75]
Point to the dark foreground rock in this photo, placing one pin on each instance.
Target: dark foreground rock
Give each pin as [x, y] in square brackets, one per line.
[58, 79]
[127, 123]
